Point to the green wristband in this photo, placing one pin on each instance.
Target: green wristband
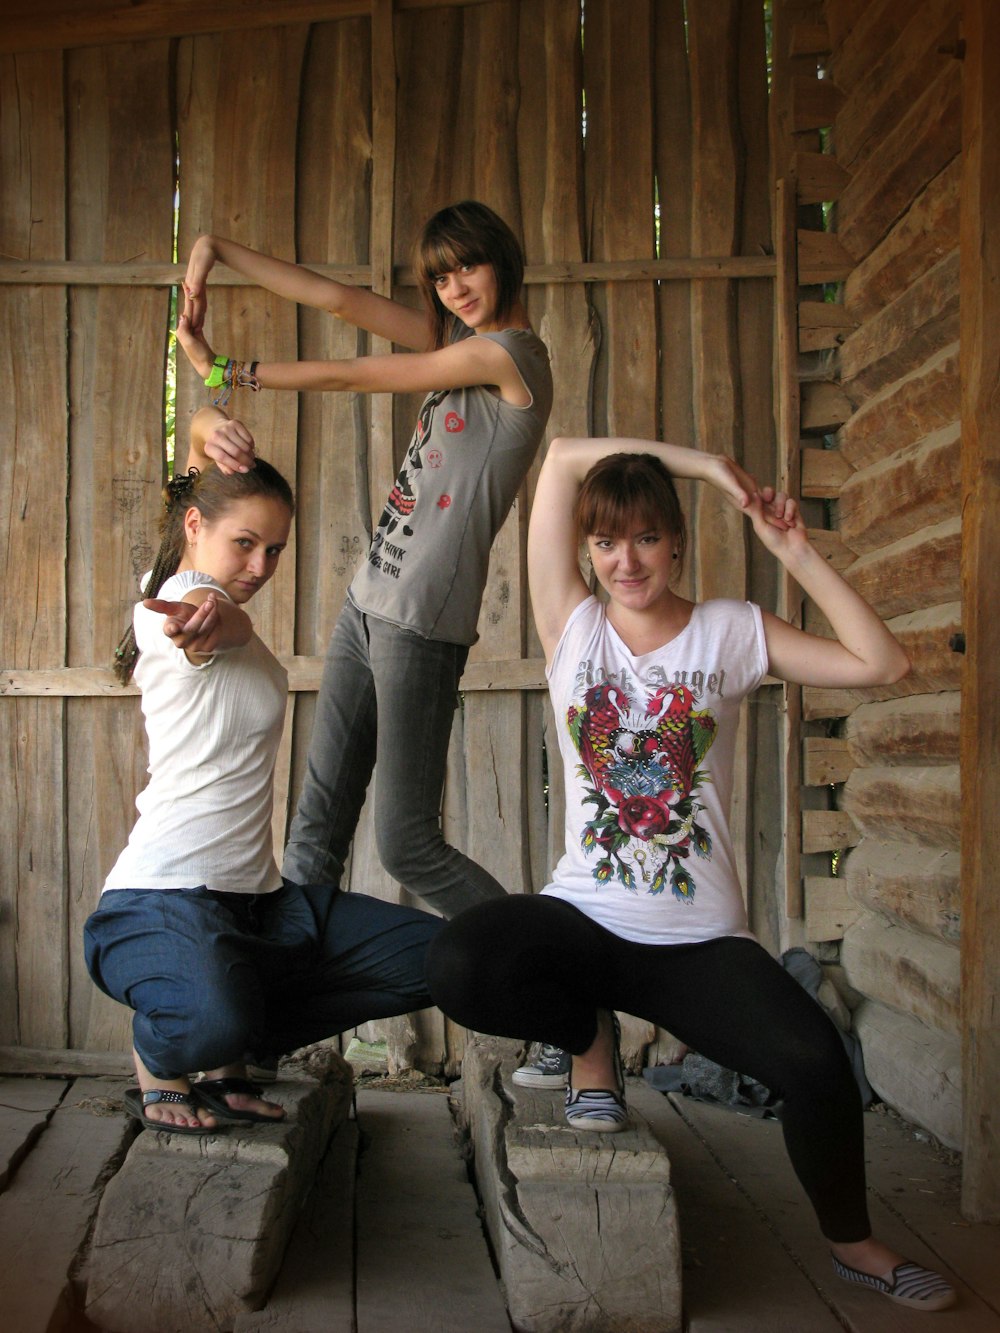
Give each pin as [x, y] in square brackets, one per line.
[217, 375]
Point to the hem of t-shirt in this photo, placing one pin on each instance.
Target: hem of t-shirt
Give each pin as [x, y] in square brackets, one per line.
[558, 891]
[410, 629]
[174, 884]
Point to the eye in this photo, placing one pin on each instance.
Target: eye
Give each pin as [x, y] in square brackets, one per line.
[469, 268]
[274, 551]
[440, 279]
[244, 543]
[649, 539]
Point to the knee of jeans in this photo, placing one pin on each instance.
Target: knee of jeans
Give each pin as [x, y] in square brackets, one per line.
[409, 851]
[187, 1043]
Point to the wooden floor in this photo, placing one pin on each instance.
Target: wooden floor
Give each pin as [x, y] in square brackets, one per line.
[390, 1241]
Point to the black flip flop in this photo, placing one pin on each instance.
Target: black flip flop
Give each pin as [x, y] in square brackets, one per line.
[212, 1093]
[136, 1102]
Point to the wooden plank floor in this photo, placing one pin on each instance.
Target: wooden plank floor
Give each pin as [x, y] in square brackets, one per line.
[390, 1241]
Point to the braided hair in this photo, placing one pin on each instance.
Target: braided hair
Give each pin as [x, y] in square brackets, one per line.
[212, 492]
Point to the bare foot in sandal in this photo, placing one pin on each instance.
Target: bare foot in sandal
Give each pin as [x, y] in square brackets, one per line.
[232, 1096]
[176, 1109]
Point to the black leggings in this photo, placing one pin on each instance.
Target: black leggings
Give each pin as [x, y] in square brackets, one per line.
[533, 966]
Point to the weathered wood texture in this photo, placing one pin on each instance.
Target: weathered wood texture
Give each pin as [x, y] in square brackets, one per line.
[894, 405]
[48, 1208]
[980, 220]
[914, 1067]
[584, 1226]
[192, 1230]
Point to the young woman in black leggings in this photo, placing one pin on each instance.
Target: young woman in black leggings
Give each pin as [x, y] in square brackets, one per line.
[645, 912]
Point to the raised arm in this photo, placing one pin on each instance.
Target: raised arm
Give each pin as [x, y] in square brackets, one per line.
[357, 305]
[215, 437]
[556, 583]
[864, 651]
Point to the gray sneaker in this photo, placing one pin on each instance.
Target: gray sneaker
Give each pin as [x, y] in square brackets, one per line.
[544, 1066]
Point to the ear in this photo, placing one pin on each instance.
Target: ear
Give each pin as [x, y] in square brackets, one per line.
[192, 525]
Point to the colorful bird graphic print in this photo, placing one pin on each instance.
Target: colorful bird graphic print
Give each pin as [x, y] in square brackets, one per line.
[640, 767]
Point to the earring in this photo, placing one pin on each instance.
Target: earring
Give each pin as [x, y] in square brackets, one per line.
[676, 556]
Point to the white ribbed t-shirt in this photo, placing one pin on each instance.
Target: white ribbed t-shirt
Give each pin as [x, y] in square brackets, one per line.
[213, 732]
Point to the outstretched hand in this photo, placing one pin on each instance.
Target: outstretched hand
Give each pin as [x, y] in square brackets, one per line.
[193, 629]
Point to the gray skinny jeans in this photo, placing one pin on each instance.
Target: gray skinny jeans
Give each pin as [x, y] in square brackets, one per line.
[386, 702]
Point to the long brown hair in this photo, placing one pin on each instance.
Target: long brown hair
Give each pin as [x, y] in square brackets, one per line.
[212, 493]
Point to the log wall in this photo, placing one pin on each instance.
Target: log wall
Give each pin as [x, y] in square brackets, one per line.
[891, 380]
[329, 138]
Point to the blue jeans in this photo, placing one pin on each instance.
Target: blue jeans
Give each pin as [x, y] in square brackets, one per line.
[212, 976]
[386, 702]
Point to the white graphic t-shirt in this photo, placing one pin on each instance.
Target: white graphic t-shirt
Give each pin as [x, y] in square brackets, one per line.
[647, 746]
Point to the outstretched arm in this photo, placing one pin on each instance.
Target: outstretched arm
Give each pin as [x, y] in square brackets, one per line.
[864, 651]
[557, 586]
[465, 363]
[203, 623]
[356, 305]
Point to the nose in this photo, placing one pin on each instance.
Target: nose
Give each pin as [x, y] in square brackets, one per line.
[629, 557]
[257, 564]
[455, 284]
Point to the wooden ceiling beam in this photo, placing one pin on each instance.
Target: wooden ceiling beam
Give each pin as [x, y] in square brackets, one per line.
[47, 25]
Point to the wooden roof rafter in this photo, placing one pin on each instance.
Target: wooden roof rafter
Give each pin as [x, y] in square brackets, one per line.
[47, 25]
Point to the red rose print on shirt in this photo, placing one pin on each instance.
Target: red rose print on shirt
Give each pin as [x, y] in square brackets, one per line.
[444, 502]
[453, 423]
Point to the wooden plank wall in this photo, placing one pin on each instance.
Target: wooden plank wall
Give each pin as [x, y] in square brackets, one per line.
[880, 422]
[315, 141]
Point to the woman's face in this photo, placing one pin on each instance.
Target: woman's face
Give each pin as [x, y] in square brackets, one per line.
[470, 292]
[241, 548]
[634, 568]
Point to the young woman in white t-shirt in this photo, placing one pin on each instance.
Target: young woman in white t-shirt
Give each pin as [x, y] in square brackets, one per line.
[645, 912]
[195, 930]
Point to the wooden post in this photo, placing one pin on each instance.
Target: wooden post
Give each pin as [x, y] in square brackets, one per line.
[789, 594]
[980, 349]
[383, 467]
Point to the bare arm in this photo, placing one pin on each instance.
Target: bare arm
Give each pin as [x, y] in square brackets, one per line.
[357, 305]
[203, 623]
[470, 361]
[557, 586]
[864, 651]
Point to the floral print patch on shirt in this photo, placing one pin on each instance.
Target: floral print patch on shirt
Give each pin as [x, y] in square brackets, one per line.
[639, 766]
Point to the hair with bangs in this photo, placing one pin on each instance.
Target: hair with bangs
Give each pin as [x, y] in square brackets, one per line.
[213, 493]
[467, 233]
[625, 493]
